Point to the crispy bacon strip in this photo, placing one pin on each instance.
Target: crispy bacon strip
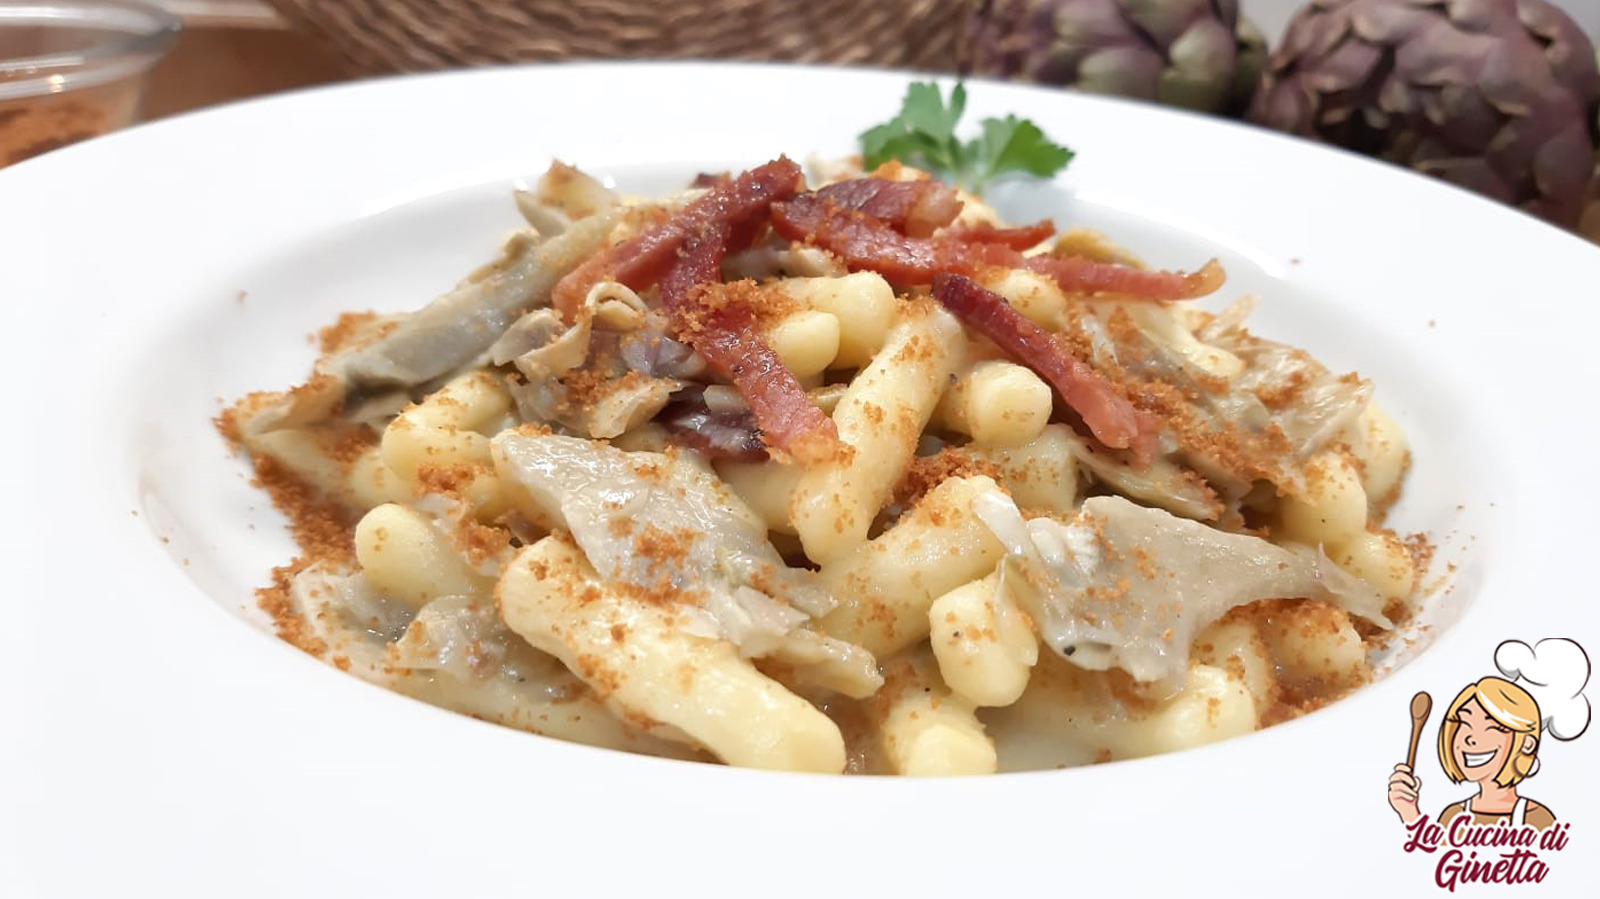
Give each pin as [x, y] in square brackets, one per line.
[727, 338]
[740, 204]
[866, 243]
[917, 208]
[1019, 238]
[1075, 274]
[1108, 414]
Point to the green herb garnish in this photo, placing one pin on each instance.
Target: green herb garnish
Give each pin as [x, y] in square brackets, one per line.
[924, 135]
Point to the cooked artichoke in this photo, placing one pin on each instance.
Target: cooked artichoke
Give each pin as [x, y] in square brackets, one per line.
[1197, 54]
[1498, 96]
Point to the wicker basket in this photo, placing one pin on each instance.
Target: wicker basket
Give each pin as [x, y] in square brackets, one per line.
[379, 36]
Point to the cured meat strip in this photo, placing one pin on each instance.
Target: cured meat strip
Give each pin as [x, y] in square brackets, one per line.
[917, 208]
[740, 205]
[1019, 238]
[1086, 276]
[1108, 414]
[864, 242]
[726, 336]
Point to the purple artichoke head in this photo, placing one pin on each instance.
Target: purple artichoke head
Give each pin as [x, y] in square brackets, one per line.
[1499, 96]
[1197, 54]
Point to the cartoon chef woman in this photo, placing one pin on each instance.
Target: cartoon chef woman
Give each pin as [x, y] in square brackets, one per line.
[1493, 730]
[1490, 736]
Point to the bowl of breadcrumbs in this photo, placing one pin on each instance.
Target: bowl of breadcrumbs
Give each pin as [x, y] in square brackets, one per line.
[73, 70]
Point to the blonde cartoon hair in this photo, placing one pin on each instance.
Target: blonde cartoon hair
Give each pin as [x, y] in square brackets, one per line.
[1509, 706]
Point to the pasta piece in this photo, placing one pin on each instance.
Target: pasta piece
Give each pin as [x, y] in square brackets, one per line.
[886, 587]
[766, 487]
[406, 559]
[446, 428]
[1314, 641]
[1032, 294]
[880, 418]
[1041, 475]
[1332, 506]
[1212, 707]
[441, 444]
[372, 484]
[655, 673]
[807, 341]
[927, 731]
[998, 404]
[983, 642]
[1069, 716]
[646, 438]
[1384, 454]
[1235, 646]
[1381, 560]
[862, 303]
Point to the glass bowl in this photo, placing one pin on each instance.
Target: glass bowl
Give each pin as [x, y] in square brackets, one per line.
[74, 69]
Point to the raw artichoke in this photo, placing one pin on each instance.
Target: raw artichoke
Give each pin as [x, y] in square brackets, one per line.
[1498, 96]
[1197, 54]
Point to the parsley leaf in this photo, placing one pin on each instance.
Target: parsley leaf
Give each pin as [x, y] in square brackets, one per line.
[924, 135]
[1016, 145]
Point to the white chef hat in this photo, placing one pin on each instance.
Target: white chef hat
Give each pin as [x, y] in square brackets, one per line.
[1555, 671]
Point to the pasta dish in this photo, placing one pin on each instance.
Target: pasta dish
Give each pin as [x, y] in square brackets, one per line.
[846, 475]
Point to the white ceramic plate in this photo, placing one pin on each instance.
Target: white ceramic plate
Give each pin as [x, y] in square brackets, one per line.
[154, 738]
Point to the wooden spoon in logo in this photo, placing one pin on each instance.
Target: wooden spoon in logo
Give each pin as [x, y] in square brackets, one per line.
[1421, 705]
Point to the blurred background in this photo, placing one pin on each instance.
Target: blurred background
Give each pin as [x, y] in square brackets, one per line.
[240, 48]
[1501, 96]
